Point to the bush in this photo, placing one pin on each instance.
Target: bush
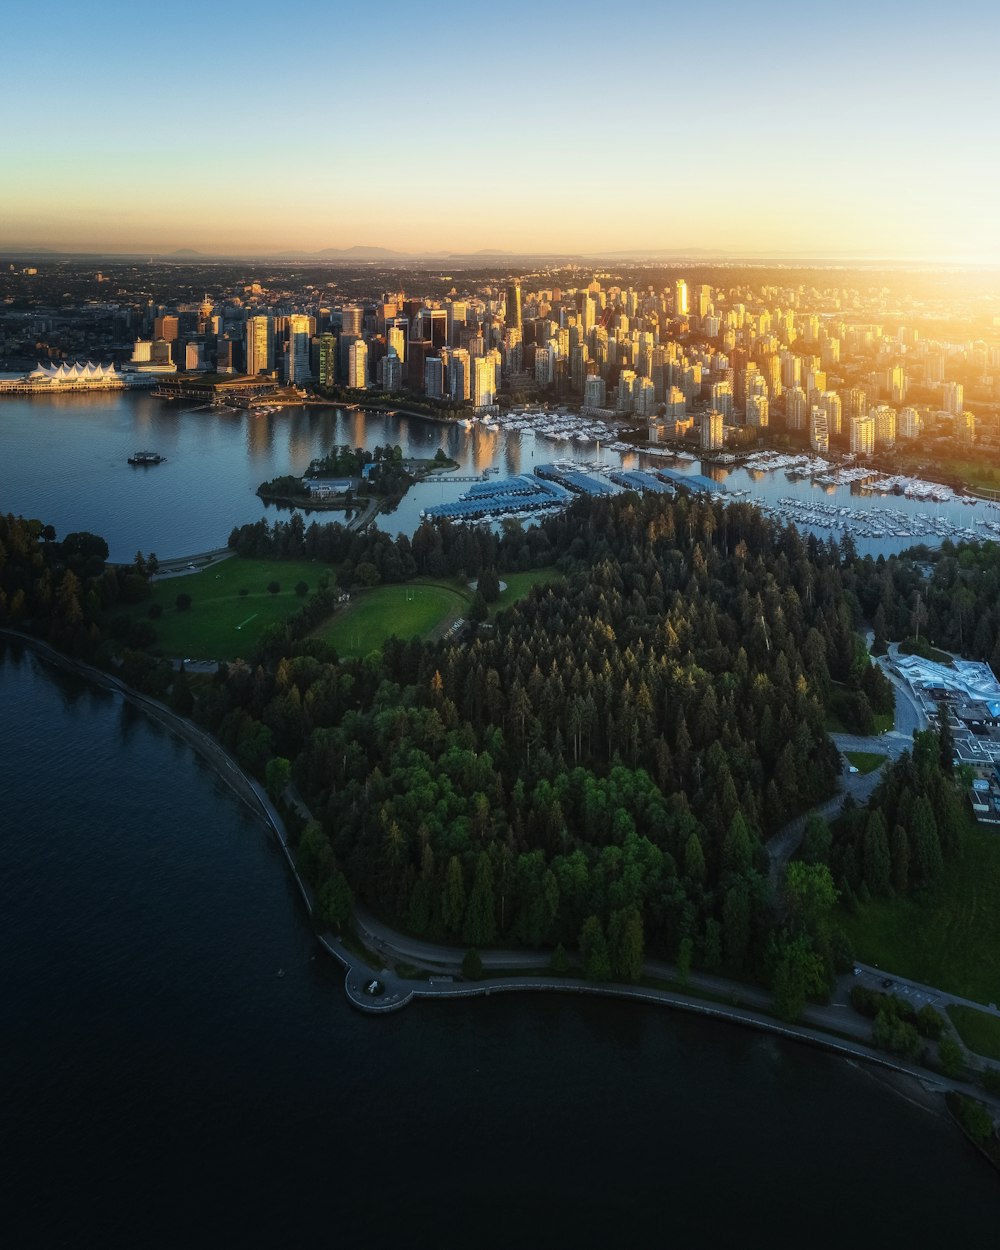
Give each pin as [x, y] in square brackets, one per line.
[273, 588]
[472, 966]
[560, 962]
[243, 592]
[974, 1118]
[929, 1023]
[301, 589]
[950, 1054]
[182, 602]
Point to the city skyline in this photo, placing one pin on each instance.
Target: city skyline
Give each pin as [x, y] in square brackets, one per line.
[755, 133]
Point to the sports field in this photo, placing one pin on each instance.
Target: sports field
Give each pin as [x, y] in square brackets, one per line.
[950, 935]
[411, 610]
[419, 609]
[222, 623]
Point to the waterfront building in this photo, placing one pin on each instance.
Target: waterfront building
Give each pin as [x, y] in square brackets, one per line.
[357, 365]
[594, 392]
[885, 425]
[460, 375]
[260, 345]
[862, 435]
[819, 430]
[297, 366]
[712, 430]
[484, 382]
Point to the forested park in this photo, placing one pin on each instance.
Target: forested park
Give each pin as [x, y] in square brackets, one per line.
[597, 766]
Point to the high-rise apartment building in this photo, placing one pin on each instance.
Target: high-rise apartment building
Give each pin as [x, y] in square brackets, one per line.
[908, 425]
[819, 430]
[392, 371]
[954, 397]
[680, 298]
[796, 408]
[712, 426]
[757, 411]
[484, 382]
[862, 435]
[594, 392]
[885, 425]
[829, 401]
[722, 399]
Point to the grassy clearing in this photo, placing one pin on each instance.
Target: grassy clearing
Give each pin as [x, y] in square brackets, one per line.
[222, 624]
[948, 936]
[519, 584]
[410, 610]
[977, 1030]
[866, 761]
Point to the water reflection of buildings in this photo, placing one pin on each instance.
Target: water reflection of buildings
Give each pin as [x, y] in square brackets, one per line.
[260, 435]
[484, 449]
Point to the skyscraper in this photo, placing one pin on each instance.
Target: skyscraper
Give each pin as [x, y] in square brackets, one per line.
[819, 430]
[328, 360]
[357, 365]
[512, 318]
[297, 358]
[260, 345]
[680, 298]
[712, 430]
[862, 436]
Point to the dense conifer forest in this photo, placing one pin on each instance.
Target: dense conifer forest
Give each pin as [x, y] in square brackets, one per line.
[599, 768]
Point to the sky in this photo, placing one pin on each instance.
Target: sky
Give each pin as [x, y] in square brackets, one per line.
[773, 128]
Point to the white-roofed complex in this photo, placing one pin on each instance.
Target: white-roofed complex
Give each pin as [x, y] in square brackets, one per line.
[77, 376]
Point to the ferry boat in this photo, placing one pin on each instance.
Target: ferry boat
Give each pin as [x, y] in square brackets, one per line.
[146, 457]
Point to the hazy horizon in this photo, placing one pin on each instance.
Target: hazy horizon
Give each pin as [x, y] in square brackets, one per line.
[767, 132]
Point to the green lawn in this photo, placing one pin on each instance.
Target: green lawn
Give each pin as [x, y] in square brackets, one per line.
[519, 584]
[222, 624]
[950, 935]
[410, 610]
[866, 761]
[979, 1031]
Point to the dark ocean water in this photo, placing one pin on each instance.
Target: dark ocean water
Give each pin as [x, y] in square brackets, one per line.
[163, 1086]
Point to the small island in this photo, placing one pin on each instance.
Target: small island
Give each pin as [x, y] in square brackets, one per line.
[348, 476]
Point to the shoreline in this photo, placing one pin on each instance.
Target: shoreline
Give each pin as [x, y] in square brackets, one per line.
[443, 985]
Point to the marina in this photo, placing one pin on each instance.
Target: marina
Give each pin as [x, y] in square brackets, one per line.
[219, 458]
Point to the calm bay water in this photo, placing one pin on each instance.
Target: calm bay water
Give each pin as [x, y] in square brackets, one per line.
[64, 460]
[165, 1087]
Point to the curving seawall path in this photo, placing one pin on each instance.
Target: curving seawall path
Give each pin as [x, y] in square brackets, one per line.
[399, 991]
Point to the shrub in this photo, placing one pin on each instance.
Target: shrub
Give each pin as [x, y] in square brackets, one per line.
[301, 589]
[273, 588]
[182, 602]
[243, 592]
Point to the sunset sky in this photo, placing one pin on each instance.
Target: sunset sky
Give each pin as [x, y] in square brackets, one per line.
[849, 129]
